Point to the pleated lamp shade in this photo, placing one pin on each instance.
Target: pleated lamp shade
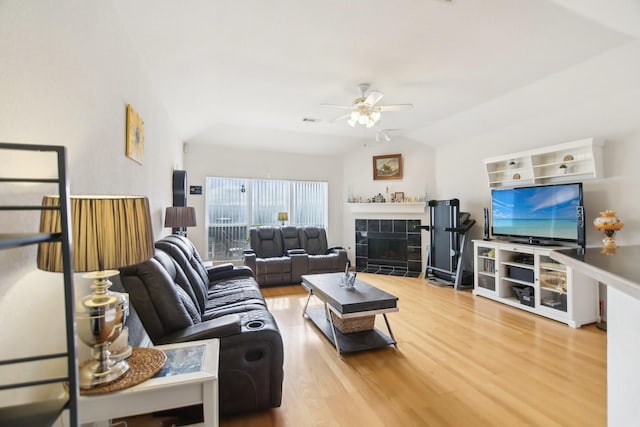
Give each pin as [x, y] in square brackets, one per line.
[180, 216]
[108, 232]
[283, 216]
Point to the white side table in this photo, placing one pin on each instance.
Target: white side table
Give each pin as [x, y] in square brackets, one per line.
[185, 384]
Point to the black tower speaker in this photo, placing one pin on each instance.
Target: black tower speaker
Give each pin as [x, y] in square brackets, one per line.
[581, 227]
[179, 188]
[485, 216]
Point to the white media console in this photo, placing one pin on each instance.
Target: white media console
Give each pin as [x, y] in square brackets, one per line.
[526, 277]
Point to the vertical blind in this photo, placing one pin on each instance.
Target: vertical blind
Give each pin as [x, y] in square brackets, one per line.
[268, 197]
[233, 205]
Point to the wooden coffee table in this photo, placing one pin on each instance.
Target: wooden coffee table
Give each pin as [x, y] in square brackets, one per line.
[344, 306]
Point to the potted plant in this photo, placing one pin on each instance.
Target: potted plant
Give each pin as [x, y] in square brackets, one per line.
[563, 168]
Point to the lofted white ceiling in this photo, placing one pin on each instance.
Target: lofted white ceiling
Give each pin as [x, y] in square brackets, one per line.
[247, 72]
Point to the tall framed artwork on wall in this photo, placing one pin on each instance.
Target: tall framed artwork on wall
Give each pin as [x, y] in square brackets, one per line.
[135, 135]
[388, 166]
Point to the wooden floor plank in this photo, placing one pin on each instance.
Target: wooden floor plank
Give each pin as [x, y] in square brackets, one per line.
[461, 361]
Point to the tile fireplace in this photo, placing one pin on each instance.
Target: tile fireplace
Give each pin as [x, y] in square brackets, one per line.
[389, 246]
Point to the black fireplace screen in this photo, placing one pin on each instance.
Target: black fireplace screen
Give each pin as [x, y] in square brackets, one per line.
[387, 249]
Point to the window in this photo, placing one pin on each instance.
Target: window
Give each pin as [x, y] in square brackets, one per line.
[234, 205]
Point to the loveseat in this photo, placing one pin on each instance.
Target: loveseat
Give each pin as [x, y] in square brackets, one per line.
[281, 255]
[178, 299]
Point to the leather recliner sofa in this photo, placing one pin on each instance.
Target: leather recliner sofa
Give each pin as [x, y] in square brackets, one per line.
[178, 299]
[281, 255]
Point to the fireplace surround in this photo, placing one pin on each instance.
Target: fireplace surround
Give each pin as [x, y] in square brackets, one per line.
[389, 246]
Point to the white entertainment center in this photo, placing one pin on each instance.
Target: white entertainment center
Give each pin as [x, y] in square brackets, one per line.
[523, 275]
[547, 287]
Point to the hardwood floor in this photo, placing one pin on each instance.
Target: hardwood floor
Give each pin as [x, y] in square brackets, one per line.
[461, 361]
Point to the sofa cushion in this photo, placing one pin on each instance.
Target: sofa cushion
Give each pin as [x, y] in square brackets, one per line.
[280, 264]
[266, 242]
[290, 238]
[323, 263]
[314, 240]
[196, 295]
[156, 298]
[186, 257]
[189, 305]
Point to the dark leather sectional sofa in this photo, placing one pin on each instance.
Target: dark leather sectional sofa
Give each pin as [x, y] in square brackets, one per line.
[281, 255]
[178, 299]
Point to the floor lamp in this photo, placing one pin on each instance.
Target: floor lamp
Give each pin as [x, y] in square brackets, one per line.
[108, 232]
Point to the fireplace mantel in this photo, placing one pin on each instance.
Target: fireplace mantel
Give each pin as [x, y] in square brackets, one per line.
[409, 208]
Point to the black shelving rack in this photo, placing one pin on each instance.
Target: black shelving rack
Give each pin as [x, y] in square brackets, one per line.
[45, 413]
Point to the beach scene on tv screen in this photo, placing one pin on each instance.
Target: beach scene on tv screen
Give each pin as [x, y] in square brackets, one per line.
[545, 212]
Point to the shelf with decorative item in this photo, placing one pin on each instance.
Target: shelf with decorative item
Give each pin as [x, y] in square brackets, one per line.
[513, 181]
[404, 207]
[580, 160]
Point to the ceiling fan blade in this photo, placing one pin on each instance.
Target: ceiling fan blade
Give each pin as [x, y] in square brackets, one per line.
[373, 97]
[344, 107]
[394, 107]
[346, 116]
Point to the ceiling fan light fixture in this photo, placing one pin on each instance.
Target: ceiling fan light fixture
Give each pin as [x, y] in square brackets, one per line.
[365, 109]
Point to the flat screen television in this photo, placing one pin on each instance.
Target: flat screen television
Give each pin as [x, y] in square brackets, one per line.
[538, 215]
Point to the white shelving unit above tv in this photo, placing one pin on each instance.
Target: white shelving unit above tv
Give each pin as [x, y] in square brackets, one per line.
[571, 161]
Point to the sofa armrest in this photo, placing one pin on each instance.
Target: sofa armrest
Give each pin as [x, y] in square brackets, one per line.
[219, 268]
[215, 328]
[249, 258]
[228, 273]
[342, 255]
[299, 266]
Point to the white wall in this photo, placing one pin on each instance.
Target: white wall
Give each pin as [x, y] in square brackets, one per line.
[64, 83]
[204, 160]
[418, 181]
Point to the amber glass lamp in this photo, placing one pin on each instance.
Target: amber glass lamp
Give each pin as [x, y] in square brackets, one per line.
[108, 232]
[608, 223]
[283, 217]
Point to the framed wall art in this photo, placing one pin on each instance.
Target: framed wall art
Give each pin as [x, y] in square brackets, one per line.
[135, 135]
[388, 166]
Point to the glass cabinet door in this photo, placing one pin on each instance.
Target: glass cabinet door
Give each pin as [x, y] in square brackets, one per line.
[553, 284]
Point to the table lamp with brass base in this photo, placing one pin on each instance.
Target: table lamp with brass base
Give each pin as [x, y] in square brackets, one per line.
[109, 232]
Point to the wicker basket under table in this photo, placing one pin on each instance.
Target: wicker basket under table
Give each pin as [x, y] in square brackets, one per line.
[355, 324]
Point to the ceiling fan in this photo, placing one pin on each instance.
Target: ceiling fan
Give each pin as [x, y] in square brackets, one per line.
[364, 110]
